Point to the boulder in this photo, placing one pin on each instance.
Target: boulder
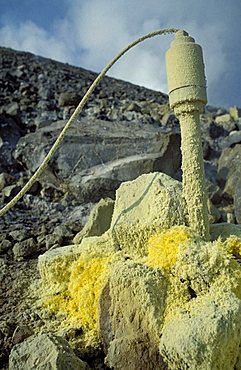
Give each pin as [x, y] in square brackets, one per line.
[206, 337]
[228, 169]
[104, 180]
[96, 156]
[223, 118]
[224, 230]
[130, 332]
[24, 249]
[153, 202]
[44, 351]
[99, 220]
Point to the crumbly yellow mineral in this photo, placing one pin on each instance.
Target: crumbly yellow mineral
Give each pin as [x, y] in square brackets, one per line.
[78, 304]
[163, 247]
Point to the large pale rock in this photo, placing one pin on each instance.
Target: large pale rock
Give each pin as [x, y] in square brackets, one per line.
[131, 315]
[90, 142]
[42, 352]
[153, 202]
[99, 220]
[85, 157]
[206, 337]
[105, 179]
[203, 312]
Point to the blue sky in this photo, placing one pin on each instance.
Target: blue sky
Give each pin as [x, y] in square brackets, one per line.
[88, 33]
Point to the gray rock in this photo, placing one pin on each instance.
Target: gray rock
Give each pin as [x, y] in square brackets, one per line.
[223, 118]
[224, 230]
[228, 169]
[105, 179]
[10, 191]
[19, 235]
[233, 138]
[133, 107]
[52, 240]
[21, 333]
[68, 98]
[12, 109]
[91, 143]
[5, 180]
[10, 133]
[24, 249]
[5, 245]
[237, 201]
[44, 351]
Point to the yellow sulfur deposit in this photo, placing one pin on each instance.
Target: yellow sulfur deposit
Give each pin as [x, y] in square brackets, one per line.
[78, 304]
[233, 244]
[163, 247]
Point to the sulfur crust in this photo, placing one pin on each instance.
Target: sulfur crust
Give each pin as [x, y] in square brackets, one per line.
[78, 303]
[202, 267]
[163, 247]
[72, 279]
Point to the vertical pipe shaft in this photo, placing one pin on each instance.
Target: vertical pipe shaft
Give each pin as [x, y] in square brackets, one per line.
[194, 190]
[187, 95]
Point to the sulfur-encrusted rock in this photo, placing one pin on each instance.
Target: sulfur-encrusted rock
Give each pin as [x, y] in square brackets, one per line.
[153, 202]
[54, 266]
[206, 337]
[99, 220]
[42, 352]
[203, 307]
[131, 315]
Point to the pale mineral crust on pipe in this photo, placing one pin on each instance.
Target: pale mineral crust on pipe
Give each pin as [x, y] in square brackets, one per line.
[193, 178]
[187, 93]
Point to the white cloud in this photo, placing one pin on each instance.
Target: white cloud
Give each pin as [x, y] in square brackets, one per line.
[28, 36]
[93, 31]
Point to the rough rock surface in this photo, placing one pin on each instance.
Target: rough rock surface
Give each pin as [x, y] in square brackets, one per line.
[44, 351]
[207, 337]
[150, 203]
[133, 334]
[99, 220]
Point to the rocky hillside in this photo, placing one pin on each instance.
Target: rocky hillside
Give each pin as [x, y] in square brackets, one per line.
[123, 132]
